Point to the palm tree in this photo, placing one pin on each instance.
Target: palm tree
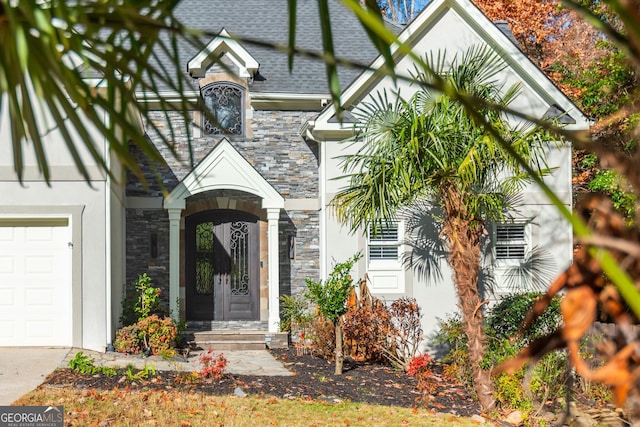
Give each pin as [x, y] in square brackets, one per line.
[430, 147]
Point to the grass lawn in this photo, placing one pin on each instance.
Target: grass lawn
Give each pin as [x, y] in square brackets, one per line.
[125, 407]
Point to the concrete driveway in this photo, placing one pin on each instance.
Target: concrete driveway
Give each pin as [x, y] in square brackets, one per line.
[24, 368]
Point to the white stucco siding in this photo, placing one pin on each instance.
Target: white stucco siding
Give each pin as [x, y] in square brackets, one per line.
[86, 208]
[59, 158]
[117, 253]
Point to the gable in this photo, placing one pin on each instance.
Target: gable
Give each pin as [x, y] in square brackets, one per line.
[454, 26]
[245, 64]
[224, 169]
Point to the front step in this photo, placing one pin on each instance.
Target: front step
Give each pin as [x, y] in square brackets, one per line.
[236, 339]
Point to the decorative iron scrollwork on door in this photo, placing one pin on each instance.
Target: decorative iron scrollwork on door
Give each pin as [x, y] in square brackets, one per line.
[239, 252]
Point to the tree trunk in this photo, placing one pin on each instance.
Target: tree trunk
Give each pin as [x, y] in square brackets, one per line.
[463, 240]
[339, 355]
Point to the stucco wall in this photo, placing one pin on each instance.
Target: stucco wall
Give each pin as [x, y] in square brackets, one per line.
[86, 205]
[435, 293]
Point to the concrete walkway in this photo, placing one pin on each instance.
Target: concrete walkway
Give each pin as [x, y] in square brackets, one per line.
[22, 369]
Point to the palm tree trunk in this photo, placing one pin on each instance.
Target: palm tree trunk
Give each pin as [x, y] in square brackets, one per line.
[463, 241]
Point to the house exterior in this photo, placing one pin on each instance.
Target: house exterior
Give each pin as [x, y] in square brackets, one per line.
[251, 219]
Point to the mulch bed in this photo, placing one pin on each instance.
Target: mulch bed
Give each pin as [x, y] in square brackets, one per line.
[314, 379]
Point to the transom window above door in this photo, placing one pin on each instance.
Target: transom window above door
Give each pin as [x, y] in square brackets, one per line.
[225, 104]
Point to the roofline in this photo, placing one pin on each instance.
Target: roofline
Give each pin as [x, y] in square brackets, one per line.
[259, 100]
[543, 86]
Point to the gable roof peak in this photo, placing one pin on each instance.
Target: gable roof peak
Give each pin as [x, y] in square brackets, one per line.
[223, 43]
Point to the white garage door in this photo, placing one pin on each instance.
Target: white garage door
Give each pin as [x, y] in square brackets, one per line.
[35, 282]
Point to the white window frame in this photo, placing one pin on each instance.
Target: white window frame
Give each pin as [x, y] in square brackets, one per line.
[382, 241]
[386, 275]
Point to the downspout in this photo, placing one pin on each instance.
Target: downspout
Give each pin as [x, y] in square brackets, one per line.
[107, 228]
[323, 210]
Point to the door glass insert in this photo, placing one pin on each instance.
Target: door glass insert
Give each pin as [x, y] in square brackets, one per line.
[204, 258]
[239, 252]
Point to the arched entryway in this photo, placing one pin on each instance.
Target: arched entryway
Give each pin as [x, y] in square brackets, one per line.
[222, 265]
[225, 169]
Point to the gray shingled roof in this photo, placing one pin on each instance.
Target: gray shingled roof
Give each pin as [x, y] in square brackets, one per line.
[267, 20]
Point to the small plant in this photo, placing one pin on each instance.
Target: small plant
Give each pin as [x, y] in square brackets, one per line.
[331, 298]
[144, 302]
[420, 368]
[212, 364]
[187, 377]
[83, 364]
[158, 334]
[153, 334]
[323, 338]
[294, 314]
[128, 340]
[148, 297]
[404, 339]
[145, 373]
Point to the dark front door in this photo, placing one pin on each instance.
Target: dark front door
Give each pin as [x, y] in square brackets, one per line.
[222, 266]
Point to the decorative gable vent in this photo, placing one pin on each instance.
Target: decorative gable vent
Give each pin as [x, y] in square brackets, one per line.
[224, 44]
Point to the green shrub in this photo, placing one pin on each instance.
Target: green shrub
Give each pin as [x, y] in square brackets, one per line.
[294, 313]
[154, 333]
[143, 303]
[503, 324]
[128, 340]
[609, 182]
[159, 334]
[505, 319]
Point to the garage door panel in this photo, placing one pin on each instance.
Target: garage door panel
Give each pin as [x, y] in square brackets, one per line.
[6, 297]
[7, 329]
[39, 234]
[38, 330]
[38, 265]
[6, 234]
[35, 283]
[39, 297]
[7, 265]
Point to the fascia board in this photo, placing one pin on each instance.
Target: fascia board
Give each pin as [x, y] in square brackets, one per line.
[492, 35]
[259, 100]
[224, 168]
[197, 67]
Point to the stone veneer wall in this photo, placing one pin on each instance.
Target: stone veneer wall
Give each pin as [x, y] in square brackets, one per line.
[305, 226]
[141, 224]
[276, 151]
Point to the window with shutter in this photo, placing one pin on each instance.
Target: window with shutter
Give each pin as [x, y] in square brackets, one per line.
[511, 242]
[384, 243]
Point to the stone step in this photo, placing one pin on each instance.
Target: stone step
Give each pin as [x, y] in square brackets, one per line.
[227, 345]
[235, 339]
